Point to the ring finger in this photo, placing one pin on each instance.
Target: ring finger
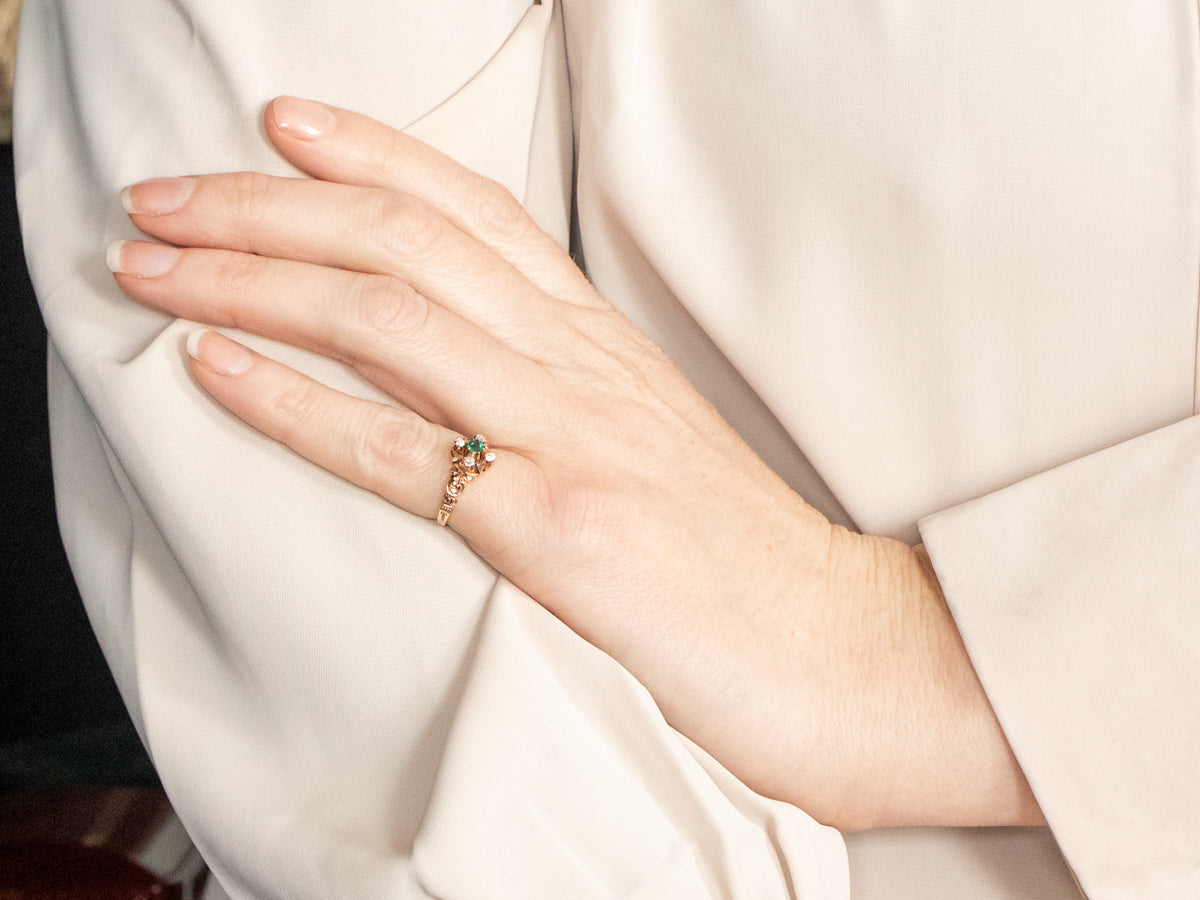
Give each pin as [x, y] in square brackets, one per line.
[425, 356]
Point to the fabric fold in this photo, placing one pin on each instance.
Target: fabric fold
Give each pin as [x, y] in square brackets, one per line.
[1023, 569]
[593, 795]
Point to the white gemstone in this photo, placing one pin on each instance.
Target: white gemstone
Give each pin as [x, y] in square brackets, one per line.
[459, 444]
[489, 457]
[480, 438]
[469, 462]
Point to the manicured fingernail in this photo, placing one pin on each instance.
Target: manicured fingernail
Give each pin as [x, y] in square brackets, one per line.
[140, 258]
[301, 118]
[157, 196]
[219, 353]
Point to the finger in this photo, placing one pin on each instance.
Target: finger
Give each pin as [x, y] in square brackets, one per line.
[427, 357]
[390, 451]
[337, 145]
[361, 229]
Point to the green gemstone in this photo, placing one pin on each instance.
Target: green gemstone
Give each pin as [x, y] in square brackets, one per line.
[474, 446]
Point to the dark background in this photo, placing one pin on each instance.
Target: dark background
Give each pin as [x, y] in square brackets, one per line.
[61, 718]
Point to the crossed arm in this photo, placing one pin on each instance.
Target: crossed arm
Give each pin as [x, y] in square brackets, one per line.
[821, 666]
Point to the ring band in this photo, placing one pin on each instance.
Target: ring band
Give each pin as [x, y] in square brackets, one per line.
[468, 458]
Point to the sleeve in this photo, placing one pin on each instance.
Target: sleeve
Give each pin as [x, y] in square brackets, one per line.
[341, 700]
[1077, 592]
[955, 245]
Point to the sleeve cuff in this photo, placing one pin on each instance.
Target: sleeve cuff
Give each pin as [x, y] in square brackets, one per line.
[1077, 593]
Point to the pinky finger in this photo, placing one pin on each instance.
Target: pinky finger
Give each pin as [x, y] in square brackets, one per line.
[388, 450]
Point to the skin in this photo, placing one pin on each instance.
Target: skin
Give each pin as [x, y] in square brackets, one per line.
[820, 666]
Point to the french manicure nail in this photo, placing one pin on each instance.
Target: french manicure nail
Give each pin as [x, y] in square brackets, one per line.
[158, 196]
[302, 119]
[140, 258]
[219, 353]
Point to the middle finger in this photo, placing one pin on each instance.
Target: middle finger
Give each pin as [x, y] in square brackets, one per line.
[364, 229]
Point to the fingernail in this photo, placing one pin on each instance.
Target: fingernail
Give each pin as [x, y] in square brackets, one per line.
[157, 196]
[302, 119]
[219, 353]
[140, 258]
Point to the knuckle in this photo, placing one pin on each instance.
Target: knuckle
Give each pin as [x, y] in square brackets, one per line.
[388, 445]
[392, 310]
[238, 274]
[251, 195]
[496, 211]
[409, 229]
[297, 409]
[380, 156]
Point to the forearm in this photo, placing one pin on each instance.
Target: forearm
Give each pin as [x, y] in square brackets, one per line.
[882, 692]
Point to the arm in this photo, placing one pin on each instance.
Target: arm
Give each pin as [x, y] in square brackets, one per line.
[1075, 591]
[313, 671]
[973, 258]
[819, 665]
[863, 487]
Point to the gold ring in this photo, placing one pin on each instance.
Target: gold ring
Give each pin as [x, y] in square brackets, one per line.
[468, 458]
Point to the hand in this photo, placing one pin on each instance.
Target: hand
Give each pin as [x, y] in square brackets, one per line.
[818, 665]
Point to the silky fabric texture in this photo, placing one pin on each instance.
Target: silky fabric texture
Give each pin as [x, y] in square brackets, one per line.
[948, 255]
[341, 700]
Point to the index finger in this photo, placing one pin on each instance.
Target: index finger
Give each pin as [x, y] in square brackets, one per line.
[337, 145]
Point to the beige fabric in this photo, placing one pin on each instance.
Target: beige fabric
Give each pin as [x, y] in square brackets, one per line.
[938, 247]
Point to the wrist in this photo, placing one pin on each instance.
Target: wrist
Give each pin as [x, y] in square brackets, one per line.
[922, 745]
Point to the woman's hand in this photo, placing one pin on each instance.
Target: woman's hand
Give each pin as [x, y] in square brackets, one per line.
[818, 665]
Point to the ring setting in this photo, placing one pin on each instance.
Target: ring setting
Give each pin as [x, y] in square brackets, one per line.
[469, 458]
